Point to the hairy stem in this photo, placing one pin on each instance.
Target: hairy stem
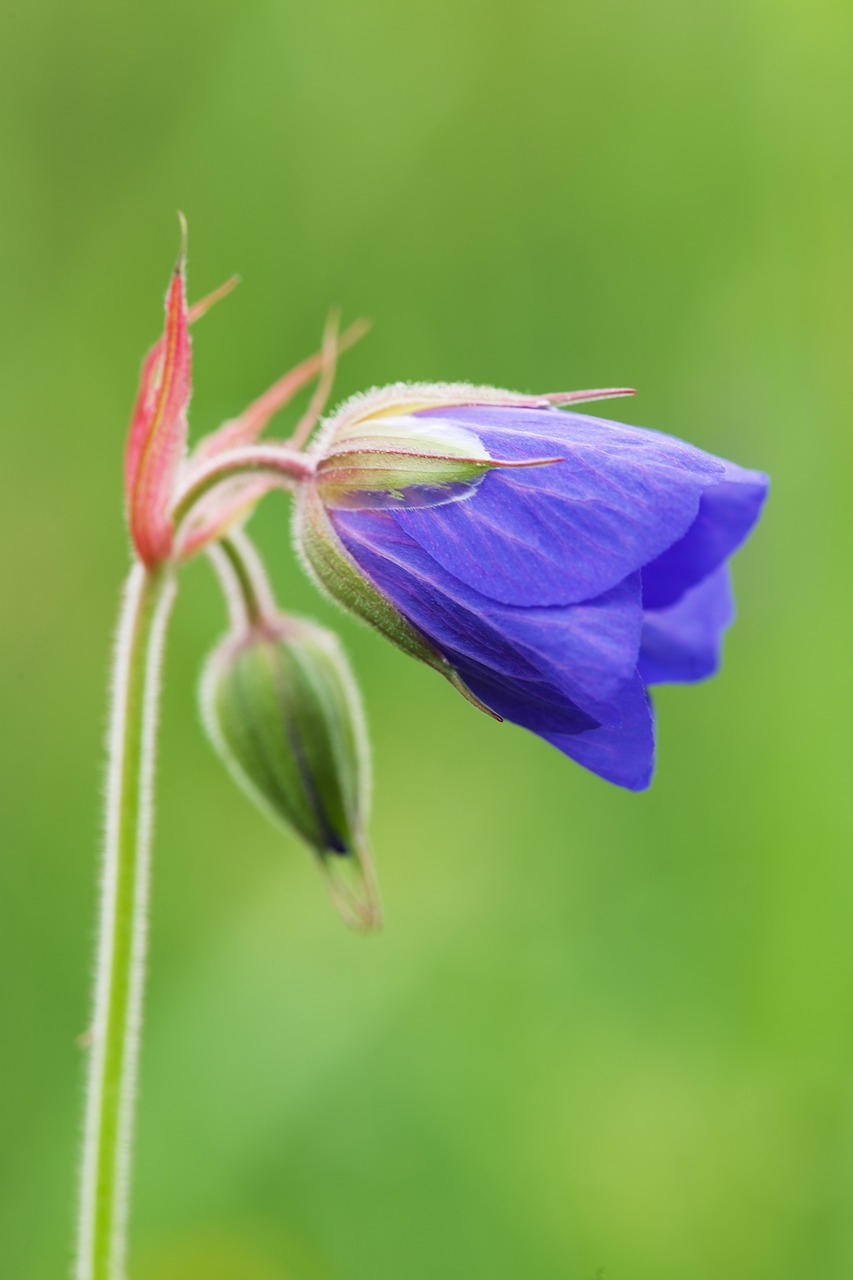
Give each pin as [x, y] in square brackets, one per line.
[120, 972]
[284, 464]
[243, 579]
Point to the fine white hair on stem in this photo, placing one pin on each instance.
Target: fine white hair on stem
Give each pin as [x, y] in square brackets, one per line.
[243, 579]
[121, 951]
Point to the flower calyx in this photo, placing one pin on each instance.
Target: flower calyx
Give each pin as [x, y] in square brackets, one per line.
[384, 452]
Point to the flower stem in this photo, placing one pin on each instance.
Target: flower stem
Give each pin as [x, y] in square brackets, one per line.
[284, 464]
[122, 941]
[243, 579]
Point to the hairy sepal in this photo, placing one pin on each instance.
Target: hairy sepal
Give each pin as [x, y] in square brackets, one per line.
[158, 430]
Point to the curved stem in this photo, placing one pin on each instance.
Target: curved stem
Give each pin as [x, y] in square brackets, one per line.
[120, 973]
[243, 579]
[252, 459]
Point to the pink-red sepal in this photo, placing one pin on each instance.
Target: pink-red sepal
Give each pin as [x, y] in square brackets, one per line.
[158, 430]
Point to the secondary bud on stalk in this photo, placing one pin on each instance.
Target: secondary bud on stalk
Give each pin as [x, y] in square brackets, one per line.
[282, 709]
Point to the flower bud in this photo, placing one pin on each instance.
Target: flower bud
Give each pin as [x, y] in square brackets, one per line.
[282, 709]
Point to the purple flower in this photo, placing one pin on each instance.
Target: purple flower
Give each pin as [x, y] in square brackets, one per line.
[552, 565]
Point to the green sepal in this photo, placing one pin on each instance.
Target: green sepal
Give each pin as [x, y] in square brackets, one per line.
[394, 454]
[337, 573]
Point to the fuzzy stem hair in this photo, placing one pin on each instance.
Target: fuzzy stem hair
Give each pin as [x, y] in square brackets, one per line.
[120, 964]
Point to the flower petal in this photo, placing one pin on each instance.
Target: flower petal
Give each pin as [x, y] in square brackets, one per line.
[529, 700]
[586, 651]
[568, 531]
[623, 753]
[682, 644]
[727, 513]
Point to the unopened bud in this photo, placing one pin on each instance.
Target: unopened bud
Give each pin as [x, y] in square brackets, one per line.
[282, 709]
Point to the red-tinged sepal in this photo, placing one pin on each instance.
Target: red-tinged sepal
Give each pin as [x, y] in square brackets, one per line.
[201, 308]
[158, 429]
[246, 428]
[561, 398]
[233, 501]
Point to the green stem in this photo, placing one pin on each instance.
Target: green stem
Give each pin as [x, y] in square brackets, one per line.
[123, 927]
[243, 579]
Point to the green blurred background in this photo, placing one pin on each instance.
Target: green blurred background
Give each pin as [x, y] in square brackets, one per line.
[600, 1030]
